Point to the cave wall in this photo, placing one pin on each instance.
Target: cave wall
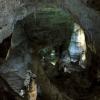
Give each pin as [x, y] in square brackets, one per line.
[46, 27]
[11, 13]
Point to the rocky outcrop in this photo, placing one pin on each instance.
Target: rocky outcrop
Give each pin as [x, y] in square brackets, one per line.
[10, 12]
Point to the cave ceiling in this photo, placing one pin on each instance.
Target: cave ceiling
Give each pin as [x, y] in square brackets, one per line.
[13, 10]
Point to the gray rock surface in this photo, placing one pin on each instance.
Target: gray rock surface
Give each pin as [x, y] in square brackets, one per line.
[10, 12]
[47, 27]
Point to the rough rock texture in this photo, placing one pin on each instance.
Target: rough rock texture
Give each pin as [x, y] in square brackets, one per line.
[48, 26]
[88, 19]
[10, 12]
[45, 27]
[14, 69]
[14, 10]
[19, 57]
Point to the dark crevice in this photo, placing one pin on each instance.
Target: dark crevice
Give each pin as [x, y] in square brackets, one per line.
[4, 46]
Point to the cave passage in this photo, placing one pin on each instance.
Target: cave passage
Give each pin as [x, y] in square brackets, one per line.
[49, 56]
